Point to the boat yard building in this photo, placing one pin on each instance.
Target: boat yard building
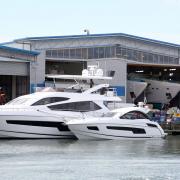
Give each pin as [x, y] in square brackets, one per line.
[15, 69]
[119, 55]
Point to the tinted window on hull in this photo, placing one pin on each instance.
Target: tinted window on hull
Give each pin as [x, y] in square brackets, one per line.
[59, 125]
[134, 130]
[95, 128]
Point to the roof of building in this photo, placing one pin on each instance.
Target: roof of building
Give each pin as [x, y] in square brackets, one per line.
[21, 51]
[147, 40]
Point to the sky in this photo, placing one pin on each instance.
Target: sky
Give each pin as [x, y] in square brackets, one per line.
[155, 19]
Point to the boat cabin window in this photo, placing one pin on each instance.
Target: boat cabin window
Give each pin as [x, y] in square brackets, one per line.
[82, 106]
[49, 100]
[134, 115]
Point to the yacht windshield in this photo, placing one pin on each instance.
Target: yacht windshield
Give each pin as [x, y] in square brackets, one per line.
[134, 115]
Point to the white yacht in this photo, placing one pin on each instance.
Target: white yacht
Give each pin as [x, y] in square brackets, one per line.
[155, 91]
[131, 122]
[42, 114]
[161, 91]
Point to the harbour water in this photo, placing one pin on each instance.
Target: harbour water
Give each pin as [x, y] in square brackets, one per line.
[81, 160]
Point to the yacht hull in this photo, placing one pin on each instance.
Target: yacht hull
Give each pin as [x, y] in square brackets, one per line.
[24, 126]
[161, 91]
[135, 89]
[115, 131]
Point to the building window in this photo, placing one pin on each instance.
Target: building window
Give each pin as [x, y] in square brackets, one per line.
[60, 53]
[111, 52]
[72, 53]
[84, 53]
[66, 53]
[90, 53]
[101, 52]
[96, 53]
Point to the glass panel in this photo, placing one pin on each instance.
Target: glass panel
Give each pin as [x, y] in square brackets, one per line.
[171, 60]
[84, 53]
[101, 52]
[138, 56]
[54, 53]
[155, 58]
[113, 52]
[124, 54]
[48, 53]
[161, 59]
[72, 53]
[107, 52]
[150, 58]
[129, 54]
[60, 53]
[66, 53]
[90, 53]
[166, 60]
[96, 53]
[176, 60]
[145, 57]
[78, 53]
[118, 52]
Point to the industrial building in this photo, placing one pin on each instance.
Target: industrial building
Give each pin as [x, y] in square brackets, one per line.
[118, 54]
[15, 70]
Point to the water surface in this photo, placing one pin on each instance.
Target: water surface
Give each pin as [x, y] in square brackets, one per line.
[82, 160]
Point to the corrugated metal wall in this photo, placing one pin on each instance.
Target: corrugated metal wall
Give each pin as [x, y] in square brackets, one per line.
[14, 68]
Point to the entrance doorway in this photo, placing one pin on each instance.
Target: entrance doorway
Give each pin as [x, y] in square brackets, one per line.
[12, 87]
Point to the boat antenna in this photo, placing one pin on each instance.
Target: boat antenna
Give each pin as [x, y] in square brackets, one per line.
[87, 31]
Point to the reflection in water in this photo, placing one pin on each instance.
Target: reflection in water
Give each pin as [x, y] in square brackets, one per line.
[73, 159]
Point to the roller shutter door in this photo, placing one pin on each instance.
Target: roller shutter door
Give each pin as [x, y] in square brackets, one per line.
[14, 68]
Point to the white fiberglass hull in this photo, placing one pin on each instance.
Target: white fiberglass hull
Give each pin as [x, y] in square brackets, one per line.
[135, 89]
[116, 131]
[161, 91]
[24, 126]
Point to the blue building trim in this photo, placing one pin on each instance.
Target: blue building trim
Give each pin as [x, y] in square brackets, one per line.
[33, 86]
[21, 51]
[120, 90]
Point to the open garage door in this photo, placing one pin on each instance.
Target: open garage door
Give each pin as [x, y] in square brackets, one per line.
[163, 82]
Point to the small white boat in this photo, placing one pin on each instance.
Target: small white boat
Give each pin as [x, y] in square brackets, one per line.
[130, 122]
